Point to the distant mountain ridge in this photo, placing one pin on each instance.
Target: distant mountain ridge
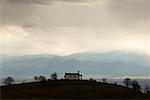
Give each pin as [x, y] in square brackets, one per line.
[108, 63]
[113, 56]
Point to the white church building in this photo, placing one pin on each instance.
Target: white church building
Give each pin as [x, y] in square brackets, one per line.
[73, 76]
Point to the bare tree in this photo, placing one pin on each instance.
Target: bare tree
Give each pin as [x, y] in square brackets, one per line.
[91, 79]
[136, 86]
[127, 82]
[147, 89]
[36, 78]
[104, 80]
[8, 81]
[42, 78]
[115, 83]
[54, 76]
[23, 81]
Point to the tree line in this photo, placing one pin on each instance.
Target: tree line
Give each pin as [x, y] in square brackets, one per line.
[53, 76]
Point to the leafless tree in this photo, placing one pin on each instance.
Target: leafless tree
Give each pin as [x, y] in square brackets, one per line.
[136, 86]
[8, 81]
[40, 78]
[54, 76]
[36, 78]
[104, 80]
[127, 82]
[147, 89]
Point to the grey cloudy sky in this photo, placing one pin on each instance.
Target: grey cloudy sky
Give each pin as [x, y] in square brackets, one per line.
[69, 26]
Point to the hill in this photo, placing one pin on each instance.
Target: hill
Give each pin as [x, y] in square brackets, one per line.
[66, 89]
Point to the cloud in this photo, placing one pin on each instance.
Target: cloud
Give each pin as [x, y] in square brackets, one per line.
[15, 14]
[64, 26]
[130, 10]
[109, 13]
[64, 40]
[42, 2]
[45, 2]
[78, 1]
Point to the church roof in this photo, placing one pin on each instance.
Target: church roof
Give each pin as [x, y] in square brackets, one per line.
[72, 74]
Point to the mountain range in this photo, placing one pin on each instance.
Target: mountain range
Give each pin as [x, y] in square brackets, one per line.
[114, 63]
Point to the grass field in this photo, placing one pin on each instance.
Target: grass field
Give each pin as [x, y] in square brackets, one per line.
[68, 89]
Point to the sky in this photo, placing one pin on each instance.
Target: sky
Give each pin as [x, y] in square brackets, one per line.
[69, 26]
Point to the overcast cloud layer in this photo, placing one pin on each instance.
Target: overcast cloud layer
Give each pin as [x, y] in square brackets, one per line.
[69, 26]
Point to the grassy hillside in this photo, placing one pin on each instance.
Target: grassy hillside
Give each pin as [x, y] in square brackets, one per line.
[67, 89]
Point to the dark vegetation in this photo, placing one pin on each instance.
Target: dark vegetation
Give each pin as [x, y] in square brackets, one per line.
[69, 89]
[9, 80]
